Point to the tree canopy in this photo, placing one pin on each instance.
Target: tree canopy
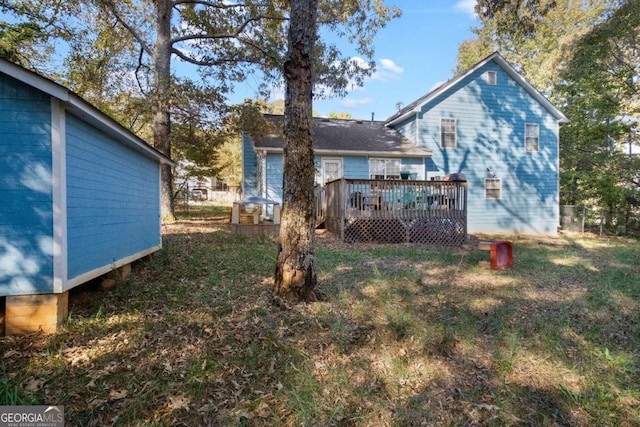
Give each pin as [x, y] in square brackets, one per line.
[142, 42]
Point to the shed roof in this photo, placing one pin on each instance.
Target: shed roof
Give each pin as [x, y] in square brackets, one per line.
[83, 109]
[348, 137]
[416, 105]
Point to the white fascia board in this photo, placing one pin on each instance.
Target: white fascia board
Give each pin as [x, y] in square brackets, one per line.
[80, 107]
[91, 114]
[426, 153]
[535, 93]
[499, 59]
[32, 79]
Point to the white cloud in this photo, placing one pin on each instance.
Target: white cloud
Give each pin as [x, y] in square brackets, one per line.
[388, 70]
[466, 7]
[359, 102]
[389, 65]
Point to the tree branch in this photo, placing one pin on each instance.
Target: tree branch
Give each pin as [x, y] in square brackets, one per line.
[207, 4]
[112, 8]
[209, 63]
[233, 34]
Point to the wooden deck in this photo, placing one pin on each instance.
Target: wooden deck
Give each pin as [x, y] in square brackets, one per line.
[394, 211]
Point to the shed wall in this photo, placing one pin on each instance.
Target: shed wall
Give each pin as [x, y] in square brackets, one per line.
[113, 200]
[26, 218]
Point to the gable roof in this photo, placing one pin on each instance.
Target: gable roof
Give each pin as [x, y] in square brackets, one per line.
[81, 108]
[416, 105]
[348, 137]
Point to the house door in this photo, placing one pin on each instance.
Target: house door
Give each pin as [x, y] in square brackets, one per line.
[331, 169]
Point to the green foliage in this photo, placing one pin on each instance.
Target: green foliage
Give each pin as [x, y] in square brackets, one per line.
[340, 115]
[15, 38]
[601, 90]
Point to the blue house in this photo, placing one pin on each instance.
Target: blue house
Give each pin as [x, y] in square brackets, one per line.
[487, 124]
[79, 197]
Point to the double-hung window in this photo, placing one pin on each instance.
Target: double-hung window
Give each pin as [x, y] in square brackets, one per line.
[448, 133]
[492, 188]
[384, 168]
[531, 137]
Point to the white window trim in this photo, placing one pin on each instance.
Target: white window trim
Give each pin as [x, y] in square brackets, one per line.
[455, 134]
[331, 159]
[499, 181]
[385, 159]
[526, 147]
[492, 80]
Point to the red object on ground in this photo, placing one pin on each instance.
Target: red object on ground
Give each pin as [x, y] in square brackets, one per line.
[501, 254]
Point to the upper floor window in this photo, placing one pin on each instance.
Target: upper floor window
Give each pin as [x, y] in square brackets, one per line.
[384, 168]
[448, 133]
[492, 77]
[531, 137]
[492, 188]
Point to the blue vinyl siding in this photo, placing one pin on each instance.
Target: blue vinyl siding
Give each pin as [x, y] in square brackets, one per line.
[356, 167]
[274, 173]
[26, 213]
[407, 129]
[112, 200]
[249, 167]
[490, 134]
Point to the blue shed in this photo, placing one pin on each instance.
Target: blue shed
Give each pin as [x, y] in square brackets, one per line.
[79, 197]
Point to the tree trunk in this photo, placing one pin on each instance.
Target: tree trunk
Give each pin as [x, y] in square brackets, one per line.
[161, 117]
[295, 275]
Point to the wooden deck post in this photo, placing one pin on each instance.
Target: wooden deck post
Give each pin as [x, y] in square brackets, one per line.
[25, 314]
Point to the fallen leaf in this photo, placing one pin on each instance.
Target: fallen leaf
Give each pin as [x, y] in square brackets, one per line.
[33, 384]
[178, 402]
[10, 353]
[263, 410]
[118, 394]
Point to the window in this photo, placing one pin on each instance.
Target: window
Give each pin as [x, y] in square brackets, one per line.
[448, 133]
[492, 77]
[531, 137]
[384, 168]
[331, 169]
[492, 188]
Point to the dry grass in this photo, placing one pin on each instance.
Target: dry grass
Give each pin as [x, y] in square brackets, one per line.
[407, 336]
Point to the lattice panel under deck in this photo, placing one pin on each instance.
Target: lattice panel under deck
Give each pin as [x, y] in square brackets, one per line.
[437, 231]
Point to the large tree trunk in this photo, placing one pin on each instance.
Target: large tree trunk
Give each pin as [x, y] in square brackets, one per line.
[295, 275]
[161, 118]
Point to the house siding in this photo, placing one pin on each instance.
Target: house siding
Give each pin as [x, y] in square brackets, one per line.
[249, 166]
[490, 135]
[274, 172]
[408, 129]
[26, 213]
[113, 200]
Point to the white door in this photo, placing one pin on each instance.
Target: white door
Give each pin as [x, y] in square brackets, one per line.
[331, 169]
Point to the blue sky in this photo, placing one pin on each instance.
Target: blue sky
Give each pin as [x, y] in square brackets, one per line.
[413, 54]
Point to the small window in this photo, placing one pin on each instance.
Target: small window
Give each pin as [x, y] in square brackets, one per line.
[492, 77]
[448, 133]
[492, 188]
[531, 137]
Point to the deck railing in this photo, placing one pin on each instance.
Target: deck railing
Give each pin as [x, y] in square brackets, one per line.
[396, 210]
